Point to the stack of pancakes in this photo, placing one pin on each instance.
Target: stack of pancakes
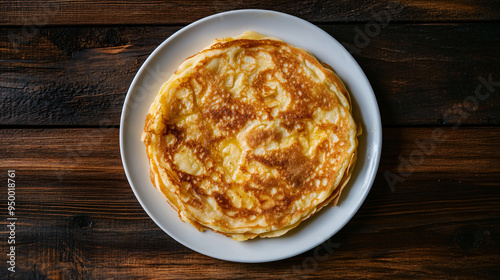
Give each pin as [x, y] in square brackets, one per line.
[250, 137]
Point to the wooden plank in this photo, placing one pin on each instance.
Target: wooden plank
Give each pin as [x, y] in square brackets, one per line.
[79, 76]
[78, 218]
[421, 77]
[72, 76]
[59, 12]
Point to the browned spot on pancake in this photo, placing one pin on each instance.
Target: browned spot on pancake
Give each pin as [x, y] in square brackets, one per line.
[286, 64]
[259, 136]
[294, 119]
[261, 184]
[259, 83]
[250, 52]
[261, 187]
[190, 185]
[202, 152]
[169, 149]
[196, 203]
[247, 43]
[222, 201]
[149, 117]
[227, 113]
[325, 100]
[294, 166]
[178, 132]
[178, 107]
[148, 129]
[245, 213]
[305, 95]
[326, 126]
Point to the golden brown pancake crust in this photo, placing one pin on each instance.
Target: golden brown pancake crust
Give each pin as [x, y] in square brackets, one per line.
[250, 137]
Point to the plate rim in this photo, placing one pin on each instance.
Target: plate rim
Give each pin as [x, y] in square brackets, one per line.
[372, 170]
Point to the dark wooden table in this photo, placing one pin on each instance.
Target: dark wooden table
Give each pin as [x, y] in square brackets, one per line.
[432, 213]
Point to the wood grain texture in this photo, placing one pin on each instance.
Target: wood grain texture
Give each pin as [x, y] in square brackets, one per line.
[80, 75]
[78, 218]
[433, 211]
[62, 12]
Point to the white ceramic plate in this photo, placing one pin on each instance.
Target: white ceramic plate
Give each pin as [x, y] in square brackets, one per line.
[188, 41]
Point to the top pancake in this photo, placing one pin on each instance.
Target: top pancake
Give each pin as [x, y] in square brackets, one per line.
[250, 136]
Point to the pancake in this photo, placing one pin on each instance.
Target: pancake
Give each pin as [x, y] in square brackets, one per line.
[250, 137]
